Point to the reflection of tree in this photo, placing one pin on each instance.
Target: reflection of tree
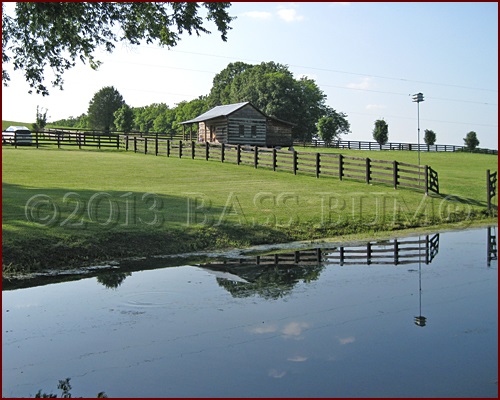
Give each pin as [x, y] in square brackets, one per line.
[112, 279]
[269, 282]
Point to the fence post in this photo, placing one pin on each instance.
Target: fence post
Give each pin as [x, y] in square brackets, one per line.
[275, 157]
[223, 152]
[79, 141]
[180, 148]
[317, 164]
[58, 141]
[341, 166]
[36, 139]
[426, 175]
[207, 151]
[238, 154]
[255, 156]
[395, 174]
[156, 145]
[135, 144]
[15, 140]
[488, 190]
[168, 147]
[295, 162]
[192, 149]
[145, 145]
[368, 171]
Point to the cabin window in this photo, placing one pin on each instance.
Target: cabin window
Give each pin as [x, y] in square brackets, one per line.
[242, 130]
[254, 131]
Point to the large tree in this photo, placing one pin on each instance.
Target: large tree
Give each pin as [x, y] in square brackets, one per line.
[272, 88]
[381, 131]
[102, 108]
[56, 35]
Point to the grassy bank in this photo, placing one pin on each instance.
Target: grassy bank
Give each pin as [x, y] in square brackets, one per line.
[63, 208]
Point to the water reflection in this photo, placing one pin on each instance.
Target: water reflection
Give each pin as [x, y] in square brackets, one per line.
[273, 276]
[492, 244]
[112, 279]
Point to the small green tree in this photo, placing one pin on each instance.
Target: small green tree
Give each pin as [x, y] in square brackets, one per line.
[102, 108]
[381, 131]
[332, 126]
[471, 141]
[124, 118]
[41, 120]
[429, 137]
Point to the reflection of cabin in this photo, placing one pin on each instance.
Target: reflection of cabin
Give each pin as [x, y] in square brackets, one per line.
[242, 123]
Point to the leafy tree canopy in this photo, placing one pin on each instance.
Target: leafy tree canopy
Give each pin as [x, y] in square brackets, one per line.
[471, 141]
[102, 108]
[332, 126]
[271, 88]
[381, 131]
[429, 137]
[57, 34]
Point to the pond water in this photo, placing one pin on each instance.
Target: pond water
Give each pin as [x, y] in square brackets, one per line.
[412, 317]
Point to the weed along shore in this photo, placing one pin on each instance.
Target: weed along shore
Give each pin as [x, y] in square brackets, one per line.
[66, 208]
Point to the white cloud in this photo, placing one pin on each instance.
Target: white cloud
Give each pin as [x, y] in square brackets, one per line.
[297, 359]
[347, 340]
[364, 84]
[276, 374]
[262, 15]
[294, 329]
[290, 15]
[264, 329]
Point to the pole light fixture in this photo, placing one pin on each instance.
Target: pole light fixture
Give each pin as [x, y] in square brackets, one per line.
[418, 98]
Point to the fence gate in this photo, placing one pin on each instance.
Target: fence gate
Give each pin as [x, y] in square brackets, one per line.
[431, 180]
[491, 187]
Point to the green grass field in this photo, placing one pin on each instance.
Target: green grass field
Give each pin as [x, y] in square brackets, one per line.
[65, 207]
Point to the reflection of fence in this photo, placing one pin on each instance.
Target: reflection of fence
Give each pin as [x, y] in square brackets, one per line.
[491, 187]
[393, 252]
[365, 169]
[492, 245]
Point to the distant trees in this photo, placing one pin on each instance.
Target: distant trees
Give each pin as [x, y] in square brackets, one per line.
[102, 108]
[381, 131]
[471, 141]
[124, 118]
[332, 126]
[429, 137]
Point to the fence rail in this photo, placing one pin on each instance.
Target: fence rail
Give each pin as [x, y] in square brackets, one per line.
[79, 139]
[364, 145]
[394, 173]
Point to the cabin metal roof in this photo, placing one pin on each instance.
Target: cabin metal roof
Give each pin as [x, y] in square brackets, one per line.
[216, 112]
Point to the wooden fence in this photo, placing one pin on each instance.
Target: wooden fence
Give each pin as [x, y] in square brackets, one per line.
[491, 188]
[362, 145]
[401, 251]
[337, 165]
[80, 139]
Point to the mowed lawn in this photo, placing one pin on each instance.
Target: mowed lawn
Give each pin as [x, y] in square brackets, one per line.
[62, 200]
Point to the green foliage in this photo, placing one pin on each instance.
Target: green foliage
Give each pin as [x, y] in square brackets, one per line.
[124, 118]
[471, 141]
[381, 131]
[71, 122]
[65, 388]
[332, 126]
[271, 88]
[102, 108]
[41, 120]
[56, 35]
[429, 137]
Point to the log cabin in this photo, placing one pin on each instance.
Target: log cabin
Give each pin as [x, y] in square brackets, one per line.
[241, 123]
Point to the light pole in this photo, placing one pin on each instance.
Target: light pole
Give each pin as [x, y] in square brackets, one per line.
[417, 98]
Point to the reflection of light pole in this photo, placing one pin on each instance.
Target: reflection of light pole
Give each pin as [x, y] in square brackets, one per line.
[420, 320]
[417, 98]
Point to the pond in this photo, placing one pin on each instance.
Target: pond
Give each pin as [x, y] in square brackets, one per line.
[407, 317]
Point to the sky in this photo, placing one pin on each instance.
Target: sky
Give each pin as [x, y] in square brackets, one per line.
[368, 59]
